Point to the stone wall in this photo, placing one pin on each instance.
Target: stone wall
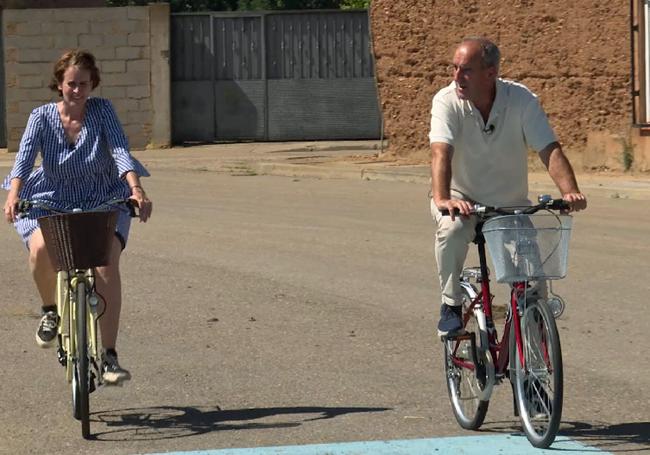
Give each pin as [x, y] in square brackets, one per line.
[131, 45]
[574, 54]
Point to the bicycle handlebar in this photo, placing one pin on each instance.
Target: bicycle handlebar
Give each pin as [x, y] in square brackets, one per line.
[545, 203]
[25, 205]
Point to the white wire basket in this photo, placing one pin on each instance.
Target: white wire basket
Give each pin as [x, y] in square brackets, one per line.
[528, 247]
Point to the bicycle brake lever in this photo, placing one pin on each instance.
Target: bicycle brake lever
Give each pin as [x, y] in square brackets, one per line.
[22, 207]
[132, 208]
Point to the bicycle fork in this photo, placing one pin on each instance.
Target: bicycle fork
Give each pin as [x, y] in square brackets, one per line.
[517, 307]
[64, 311]
[66, 289]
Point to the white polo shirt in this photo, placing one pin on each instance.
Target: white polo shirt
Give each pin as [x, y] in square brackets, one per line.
[489, 162]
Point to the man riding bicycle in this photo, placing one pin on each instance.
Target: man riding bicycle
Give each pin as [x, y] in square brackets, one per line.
[481, 129]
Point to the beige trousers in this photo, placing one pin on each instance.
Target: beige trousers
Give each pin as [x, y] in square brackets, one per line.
[451, 245]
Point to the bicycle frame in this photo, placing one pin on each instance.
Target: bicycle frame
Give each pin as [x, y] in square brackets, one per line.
[66, 292]
[481, 304]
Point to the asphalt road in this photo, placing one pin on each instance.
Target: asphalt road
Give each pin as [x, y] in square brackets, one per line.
[267, 311]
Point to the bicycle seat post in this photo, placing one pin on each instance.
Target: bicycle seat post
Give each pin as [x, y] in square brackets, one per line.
[479, 240]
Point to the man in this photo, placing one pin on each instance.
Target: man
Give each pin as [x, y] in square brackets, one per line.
[481, 129]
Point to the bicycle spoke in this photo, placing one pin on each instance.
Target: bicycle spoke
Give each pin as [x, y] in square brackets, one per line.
[538, 386]
[464, 388]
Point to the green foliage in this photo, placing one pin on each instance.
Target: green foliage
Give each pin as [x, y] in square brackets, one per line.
[628, 154]
[177, 6]
[355, 4]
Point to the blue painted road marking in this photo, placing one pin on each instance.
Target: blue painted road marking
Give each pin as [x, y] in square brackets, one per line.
[465, 445]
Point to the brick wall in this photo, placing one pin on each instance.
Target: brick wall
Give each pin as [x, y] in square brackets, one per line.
[121, 40]
[574, 54]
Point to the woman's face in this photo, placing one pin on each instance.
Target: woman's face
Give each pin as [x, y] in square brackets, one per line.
[76, 85]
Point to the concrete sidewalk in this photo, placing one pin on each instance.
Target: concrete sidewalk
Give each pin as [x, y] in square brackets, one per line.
[348, 160]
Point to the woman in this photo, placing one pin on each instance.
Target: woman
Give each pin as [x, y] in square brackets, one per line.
[85, 161]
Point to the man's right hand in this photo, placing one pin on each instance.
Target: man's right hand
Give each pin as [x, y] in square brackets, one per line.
[464, 207]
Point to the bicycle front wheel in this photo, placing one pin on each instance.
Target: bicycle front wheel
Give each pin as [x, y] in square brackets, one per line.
[464, 386]
[80, 374]
[538, 381]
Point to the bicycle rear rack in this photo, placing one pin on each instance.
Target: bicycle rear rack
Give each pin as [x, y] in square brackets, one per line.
[472, 273]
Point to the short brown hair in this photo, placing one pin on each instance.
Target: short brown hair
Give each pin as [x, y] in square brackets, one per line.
[79, 58]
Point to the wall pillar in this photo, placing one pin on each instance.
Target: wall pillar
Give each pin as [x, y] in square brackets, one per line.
[160, 75]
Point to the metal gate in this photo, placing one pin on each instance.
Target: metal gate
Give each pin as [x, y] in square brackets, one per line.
[273, 76]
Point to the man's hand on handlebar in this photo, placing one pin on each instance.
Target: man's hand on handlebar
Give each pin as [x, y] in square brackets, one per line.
[576, 201]
[455, 207]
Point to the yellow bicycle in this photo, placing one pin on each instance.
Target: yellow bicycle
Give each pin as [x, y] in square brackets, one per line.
[77, 242]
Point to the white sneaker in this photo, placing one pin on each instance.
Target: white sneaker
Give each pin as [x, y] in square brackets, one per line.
[112, 372]
[47, 329]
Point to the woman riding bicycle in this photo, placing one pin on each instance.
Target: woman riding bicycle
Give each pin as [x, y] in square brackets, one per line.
[85, 161]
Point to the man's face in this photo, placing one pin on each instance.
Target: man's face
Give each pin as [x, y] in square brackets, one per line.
[473, 80]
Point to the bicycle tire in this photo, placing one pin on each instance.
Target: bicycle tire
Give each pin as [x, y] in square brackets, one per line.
[462, 383]
[81, 371]
[538, 387]
[71, 351]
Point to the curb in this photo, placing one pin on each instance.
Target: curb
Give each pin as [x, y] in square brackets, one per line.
[593, 186]
[338, 172]
[419, 175]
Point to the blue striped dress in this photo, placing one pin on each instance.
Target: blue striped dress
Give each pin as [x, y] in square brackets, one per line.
[80, 175]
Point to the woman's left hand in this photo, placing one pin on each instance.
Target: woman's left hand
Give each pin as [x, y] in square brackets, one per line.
[10, 208]
[144, 204]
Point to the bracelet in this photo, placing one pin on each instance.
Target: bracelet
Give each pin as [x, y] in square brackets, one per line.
[137, 186]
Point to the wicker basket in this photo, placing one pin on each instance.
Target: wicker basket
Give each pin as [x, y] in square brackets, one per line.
[79, 240]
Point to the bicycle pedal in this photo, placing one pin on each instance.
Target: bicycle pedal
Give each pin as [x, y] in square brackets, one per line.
[91, 386]
[113, 384]
[61, 357]
[457, 336]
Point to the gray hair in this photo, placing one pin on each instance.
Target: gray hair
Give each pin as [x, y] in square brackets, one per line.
[490, 54]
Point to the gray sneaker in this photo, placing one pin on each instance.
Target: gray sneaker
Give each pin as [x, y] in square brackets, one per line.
[47, 329]
[112, 372]
[451, 320]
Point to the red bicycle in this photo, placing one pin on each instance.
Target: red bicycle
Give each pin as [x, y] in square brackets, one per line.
[527, 248]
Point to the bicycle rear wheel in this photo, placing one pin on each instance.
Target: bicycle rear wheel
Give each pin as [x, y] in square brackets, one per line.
[80, 374]
[463, 386]
[537, 380]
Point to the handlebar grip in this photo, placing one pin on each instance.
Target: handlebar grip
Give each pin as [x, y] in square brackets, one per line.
[132, 208]
[559, 204]
[445, 212]
[23, 205]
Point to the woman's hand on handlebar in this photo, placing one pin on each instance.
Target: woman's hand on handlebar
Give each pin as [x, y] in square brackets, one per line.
[455, 207]
[145, 206]
[576, 201]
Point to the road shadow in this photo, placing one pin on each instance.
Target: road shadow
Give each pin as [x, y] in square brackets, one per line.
[171, 422]
[608, 436]
[615, 438]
